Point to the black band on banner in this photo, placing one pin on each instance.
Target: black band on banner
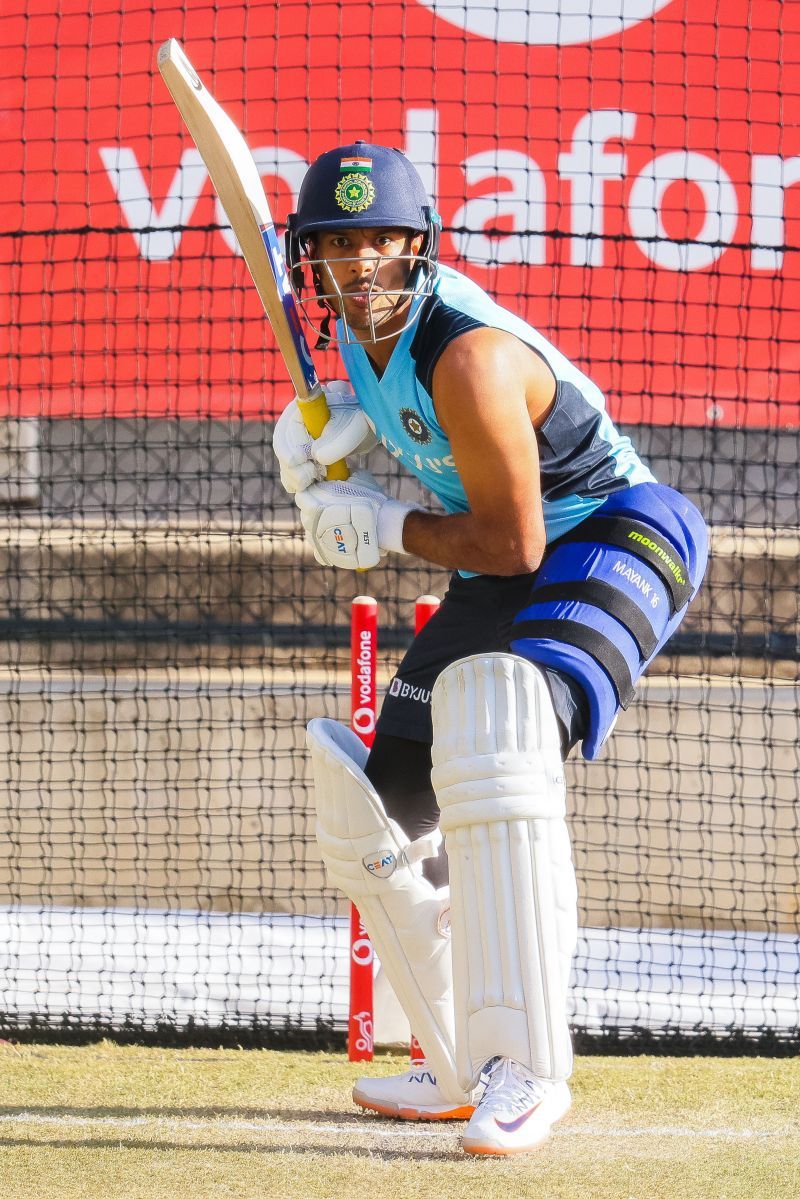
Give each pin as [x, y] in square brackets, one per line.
[643, 541]
[604, 652]
[608, 599]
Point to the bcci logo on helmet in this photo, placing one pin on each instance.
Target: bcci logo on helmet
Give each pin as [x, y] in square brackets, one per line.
[355, 193]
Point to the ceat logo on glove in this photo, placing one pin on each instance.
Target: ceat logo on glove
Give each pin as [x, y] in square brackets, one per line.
[338, 537]
[383, 865]
[545, 22]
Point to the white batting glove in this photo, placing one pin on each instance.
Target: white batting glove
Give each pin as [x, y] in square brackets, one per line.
[302, 458]
[352, 524]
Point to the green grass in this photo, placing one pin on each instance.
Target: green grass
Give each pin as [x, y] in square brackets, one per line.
[129, 1123]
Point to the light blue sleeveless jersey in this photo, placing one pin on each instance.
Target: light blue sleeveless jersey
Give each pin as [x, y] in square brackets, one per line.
[583, 458]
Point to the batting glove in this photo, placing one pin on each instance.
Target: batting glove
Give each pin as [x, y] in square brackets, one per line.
[303, 459]
[352, 524]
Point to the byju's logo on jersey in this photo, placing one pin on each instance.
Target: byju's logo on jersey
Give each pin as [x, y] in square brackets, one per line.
[354, 193]
[415, 426]
[419, 695]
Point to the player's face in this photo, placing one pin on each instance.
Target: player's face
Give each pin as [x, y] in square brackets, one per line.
[369, 268]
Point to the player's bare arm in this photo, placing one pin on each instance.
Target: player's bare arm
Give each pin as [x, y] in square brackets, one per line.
[490, 391]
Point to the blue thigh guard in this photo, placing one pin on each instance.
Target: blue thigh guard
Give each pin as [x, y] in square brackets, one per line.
[609, 595]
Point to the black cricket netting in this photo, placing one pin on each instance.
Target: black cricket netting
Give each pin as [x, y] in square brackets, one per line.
[625, 177]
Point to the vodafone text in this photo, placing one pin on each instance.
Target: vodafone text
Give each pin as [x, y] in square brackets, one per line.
[363, 718]
[600, 151]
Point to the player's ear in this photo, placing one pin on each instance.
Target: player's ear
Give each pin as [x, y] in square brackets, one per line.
[416, 243]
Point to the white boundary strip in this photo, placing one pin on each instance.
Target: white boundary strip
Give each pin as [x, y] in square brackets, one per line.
[235, 968]
[370, 1127]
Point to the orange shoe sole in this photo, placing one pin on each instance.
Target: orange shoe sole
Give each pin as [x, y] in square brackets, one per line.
[396, 1112]
[477, 1151]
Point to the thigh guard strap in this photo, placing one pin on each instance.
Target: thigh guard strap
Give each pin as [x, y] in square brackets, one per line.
[609, 595]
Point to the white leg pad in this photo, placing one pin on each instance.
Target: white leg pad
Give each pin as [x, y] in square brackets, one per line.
[369, 857]
[499, 781]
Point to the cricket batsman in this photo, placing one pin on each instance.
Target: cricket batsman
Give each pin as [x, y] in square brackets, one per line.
[572, 566]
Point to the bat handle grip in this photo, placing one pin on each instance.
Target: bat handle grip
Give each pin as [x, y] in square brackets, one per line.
[315, 414]
[337, 471]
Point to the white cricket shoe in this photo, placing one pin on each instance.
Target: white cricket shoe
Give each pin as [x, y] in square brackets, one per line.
[414, 1095]
[516, 1110]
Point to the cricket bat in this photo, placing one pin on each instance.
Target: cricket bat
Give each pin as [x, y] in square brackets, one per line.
[238, 184]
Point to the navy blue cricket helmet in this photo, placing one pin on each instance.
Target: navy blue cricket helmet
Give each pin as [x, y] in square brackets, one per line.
[361, 185]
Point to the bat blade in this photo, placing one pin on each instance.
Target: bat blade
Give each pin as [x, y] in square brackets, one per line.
[238, 184]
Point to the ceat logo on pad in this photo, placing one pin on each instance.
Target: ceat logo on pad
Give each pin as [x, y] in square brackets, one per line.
[382, 864]
[544, 22]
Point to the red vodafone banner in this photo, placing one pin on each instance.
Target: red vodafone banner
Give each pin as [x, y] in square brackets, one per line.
[625, 176]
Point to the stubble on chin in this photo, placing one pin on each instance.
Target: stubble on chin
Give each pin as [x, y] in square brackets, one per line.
[383, 312]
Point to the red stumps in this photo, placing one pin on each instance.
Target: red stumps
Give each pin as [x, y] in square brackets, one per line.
[363, 709]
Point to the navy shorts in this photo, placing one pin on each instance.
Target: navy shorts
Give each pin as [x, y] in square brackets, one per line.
[604, 601]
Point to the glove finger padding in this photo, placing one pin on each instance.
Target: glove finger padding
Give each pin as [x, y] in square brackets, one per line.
[344, 534]
[304, 460]
[292, 444]
[347, 432]
[355, 526]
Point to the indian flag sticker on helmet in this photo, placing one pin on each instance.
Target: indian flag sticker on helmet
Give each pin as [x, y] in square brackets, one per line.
[355, 192]
[355, 164]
